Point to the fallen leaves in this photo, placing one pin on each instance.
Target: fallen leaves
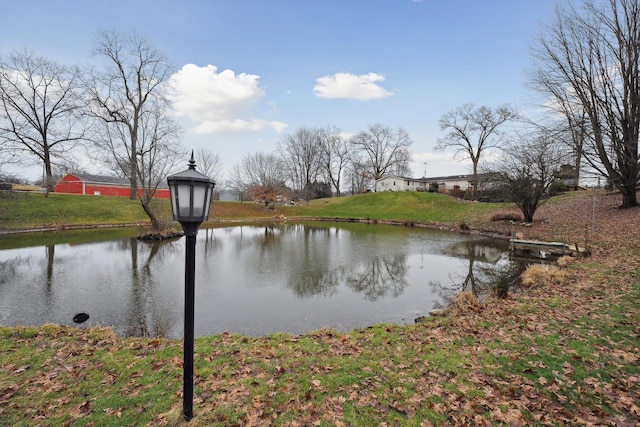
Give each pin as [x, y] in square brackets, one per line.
[564, 353]
[8, 392]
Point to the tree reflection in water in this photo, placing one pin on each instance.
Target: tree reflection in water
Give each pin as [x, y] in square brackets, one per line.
[489, 270]
[380, 276]
[374, 276]
[146, 318]
[310, 276]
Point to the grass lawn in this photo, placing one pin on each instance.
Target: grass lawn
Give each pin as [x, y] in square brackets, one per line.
[407, 206]
[31, 210]
[560, 353]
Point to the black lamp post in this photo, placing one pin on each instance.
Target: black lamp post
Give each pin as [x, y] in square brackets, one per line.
[190, 201]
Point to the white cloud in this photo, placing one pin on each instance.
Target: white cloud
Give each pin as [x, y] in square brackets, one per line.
[351, 86]
[236, 125]
[218, 101]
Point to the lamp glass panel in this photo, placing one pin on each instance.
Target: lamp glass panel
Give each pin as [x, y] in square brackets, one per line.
[207, 203]
[174, 202]
[199, 199]
[184, 190]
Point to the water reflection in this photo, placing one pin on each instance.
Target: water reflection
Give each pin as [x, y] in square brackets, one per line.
[489, 271]
[380, 276]
[253, 279]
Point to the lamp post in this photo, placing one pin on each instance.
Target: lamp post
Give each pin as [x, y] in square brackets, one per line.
[190, 201]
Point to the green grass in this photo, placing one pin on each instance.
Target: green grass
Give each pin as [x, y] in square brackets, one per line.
[32, 210]
[565, 354]
[435, 372]
[28, 211]
[404, 206]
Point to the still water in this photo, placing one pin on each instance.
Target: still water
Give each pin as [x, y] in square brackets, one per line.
[250, 279]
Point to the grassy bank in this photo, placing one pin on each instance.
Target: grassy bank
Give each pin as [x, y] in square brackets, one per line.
[28, 211]
[558, 353]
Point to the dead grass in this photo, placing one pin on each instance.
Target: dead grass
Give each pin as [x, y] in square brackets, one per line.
[537, 275]
[565, 261]
[463, 303]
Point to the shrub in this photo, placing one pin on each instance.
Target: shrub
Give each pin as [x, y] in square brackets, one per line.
[557, 187]
[456, 192]
[494, 195]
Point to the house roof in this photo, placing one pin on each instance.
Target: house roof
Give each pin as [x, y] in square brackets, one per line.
[437, 178]
[106, 180]
[101, 179]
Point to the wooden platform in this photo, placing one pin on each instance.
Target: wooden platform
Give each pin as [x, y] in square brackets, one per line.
[540, 249]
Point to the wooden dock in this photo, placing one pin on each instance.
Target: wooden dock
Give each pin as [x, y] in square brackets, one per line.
[538, 249]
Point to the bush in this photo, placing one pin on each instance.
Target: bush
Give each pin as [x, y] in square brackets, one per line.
[494, 195]
[456, 192]
[557, 187]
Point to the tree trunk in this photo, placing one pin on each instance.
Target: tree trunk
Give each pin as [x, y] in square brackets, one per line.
[133, 181]
[629, 196]
[528, 208]
[133, 166]
[155, 225]
[48, 175]
[577, 166]
[475, 181]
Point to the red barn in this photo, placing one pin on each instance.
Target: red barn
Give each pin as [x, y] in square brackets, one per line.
[99, 186]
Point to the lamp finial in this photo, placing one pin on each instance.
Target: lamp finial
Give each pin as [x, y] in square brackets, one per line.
[192, 162]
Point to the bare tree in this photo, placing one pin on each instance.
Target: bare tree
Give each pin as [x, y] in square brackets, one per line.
[131, 83]
[566, 118]
[382, 149]
[301, 154]
[158, 147]
[41, 107]
[236, 181]
[209, 163]
[360, 179]
[471, 131]
[528, 169]
[574, 135]
[259, 170]
[590, 56]
[336, 155]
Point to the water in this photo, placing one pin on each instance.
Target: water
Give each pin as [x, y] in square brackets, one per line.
[253, 280]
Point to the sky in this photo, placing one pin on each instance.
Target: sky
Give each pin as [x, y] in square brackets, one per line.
[248, 72]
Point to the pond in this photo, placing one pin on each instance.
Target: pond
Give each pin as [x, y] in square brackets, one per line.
[250, 279]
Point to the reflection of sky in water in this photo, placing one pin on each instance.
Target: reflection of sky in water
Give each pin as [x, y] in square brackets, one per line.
[250, 279]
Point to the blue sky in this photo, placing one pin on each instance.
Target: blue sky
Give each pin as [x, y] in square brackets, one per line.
[251, 71]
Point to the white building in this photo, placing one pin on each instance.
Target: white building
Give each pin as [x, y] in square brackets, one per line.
[399, 183]
[445, 183]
